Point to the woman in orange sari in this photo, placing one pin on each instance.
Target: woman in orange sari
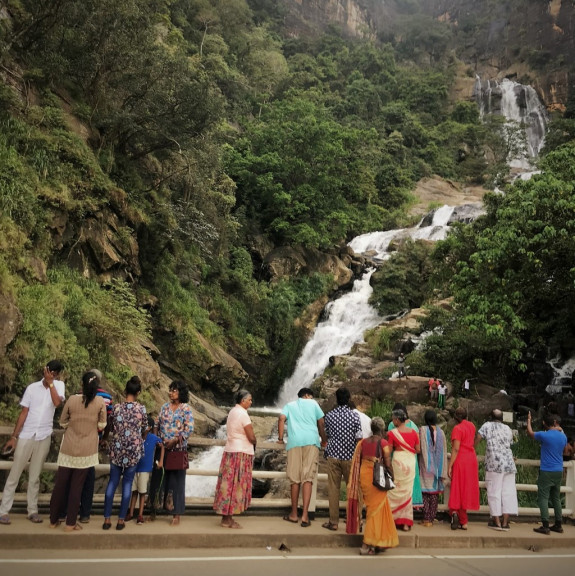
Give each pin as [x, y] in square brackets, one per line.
[379, 531]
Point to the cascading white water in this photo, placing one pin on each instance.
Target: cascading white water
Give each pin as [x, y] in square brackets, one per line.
[522, 108]
[562, 374]
[347, 318]
[377, 243]
[205, 486]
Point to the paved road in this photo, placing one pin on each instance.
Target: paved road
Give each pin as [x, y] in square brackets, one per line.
[264, 562]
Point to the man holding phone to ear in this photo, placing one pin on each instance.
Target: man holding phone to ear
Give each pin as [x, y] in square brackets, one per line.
[31, 438]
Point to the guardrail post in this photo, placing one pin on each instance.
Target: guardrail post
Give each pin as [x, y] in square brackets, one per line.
[570, 483]
[313, 501]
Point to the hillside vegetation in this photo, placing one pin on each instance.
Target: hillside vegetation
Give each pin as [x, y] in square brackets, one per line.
[151, 147]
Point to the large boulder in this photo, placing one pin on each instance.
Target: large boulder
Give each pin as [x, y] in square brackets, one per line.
[288, 261]
[207, 416]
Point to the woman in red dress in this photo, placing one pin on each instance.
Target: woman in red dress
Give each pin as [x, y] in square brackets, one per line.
[463, 471]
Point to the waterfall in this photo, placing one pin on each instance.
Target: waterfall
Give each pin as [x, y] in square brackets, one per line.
[351, 315]
[524, 112]
[562, 374]
[377, 243]
[205, 486]
[346, 320]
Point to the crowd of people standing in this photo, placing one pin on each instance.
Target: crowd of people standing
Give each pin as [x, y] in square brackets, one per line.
[353, 445]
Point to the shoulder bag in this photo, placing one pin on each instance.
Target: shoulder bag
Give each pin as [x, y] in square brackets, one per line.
[381, 476]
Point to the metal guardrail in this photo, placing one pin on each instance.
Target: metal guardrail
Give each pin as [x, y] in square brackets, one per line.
[195, 441]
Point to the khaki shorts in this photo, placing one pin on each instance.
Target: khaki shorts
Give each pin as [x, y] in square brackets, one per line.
[302, 464]
[140, 484]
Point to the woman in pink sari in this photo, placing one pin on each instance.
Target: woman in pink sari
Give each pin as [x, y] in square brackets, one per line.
[405, 443]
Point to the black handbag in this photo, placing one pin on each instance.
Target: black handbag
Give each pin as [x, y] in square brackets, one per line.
[381, 477]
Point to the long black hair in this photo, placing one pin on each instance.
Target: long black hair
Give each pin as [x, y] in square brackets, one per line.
[90, 385]
[430, 418]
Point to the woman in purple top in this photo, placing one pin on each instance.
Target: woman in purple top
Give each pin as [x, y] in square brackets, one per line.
[126, 448]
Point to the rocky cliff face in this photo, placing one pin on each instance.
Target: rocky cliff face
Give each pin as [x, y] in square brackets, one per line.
[527, 40]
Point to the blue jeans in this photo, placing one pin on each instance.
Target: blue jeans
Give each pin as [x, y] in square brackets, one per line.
[128, 478]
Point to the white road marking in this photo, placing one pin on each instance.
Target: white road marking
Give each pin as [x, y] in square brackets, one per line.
[284, 557]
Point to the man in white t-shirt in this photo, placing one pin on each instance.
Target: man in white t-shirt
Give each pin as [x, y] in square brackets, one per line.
[441, 394]
[466, 386]
[31, 438]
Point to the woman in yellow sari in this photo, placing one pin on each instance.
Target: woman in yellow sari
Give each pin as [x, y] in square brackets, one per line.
[379, 531]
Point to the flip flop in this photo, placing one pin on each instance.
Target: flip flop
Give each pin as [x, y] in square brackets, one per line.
[35, 519]
[288, 519]
[5, 519]
[305, 524]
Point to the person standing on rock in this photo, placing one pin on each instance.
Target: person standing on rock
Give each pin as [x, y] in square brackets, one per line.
[553, 442]
[31, 438]
[441, 395]
[343, 428]
[466, 386]
[305, 427]
[432, 389]
[499, 470]
[401, 366]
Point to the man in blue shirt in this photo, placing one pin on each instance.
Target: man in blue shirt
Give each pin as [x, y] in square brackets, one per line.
[343, 428]
[305, 426]
[552, 441]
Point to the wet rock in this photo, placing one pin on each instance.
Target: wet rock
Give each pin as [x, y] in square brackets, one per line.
[10, 320]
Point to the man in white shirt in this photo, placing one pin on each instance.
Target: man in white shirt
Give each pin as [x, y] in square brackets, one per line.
[31, 438]
[442, 393]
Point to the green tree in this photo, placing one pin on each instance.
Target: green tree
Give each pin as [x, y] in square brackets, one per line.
[300, 173]
[514, 283]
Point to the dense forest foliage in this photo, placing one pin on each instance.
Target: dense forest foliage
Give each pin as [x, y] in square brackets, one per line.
[191, 129]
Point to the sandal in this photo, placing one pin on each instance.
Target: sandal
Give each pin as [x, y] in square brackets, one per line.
[5, 519]
[35, 519]
[454, 521]
[235, 525]
[369, 551]
[329, 526]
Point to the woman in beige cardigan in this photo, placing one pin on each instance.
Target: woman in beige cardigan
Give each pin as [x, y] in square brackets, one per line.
[83, 416]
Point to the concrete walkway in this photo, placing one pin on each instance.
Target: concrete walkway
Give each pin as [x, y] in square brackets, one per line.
[204, 531]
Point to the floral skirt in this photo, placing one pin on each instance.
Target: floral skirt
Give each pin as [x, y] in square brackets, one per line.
[234, 487]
